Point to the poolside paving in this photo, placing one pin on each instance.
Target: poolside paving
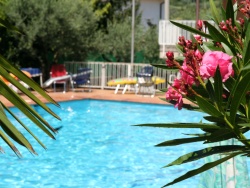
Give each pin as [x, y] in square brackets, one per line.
[99, 94]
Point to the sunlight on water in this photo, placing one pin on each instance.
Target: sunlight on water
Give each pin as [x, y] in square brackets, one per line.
[98, 147]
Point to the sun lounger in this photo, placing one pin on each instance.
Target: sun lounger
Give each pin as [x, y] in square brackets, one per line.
[145, 83]
[58, 75]
[82, 78]
[34, 72]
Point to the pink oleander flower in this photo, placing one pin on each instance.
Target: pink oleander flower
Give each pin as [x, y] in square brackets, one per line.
[172, 94]
[211, 60]
[187, 74]
[177, 84]
[189, 43]
[198, 54]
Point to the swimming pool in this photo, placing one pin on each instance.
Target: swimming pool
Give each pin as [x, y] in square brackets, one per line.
[97, 147]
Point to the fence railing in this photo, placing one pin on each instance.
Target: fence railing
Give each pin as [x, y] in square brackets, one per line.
[105, 71]
[169, 34]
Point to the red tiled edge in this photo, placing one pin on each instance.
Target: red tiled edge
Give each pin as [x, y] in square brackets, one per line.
[96, 94]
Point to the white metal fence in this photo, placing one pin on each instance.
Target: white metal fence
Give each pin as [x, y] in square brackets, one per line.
[169, 34]
[105, 71]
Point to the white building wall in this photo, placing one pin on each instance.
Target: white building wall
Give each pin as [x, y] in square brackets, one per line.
[151, 10]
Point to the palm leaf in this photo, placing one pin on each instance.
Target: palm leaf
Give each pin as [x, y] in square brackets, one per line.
[25, 108]
[9, 94]
[28, 130]
[12, 131]
[10, 144]
[4, 65]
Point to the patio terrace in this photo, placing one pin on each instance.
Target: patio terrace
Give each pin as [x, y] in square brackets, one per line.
[98, 94]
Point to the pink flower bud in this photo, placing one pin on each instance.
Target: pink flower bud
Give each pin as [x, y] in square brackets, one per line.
[223, 26]
[188, 43]
[199, 24]
[224, 96]
[170, 55]
[169, 63]
[242, 21]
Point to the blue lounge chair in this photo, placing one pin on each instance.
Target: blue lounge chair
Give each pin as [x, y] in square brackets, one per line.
[145, 83]
[82, 78]
[35, 72]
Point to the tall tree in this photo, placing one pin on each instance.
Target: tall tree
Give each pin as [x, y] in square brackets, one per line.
[52, 31]
[110, 10]
[115, 44]
[186, 9]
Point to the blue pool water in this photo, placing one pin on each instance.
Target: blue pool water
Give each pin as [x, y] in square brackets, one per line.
[97, 147]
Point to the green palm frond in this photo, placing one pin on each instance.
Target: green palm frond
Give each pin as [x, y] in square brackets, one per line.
[9, 131]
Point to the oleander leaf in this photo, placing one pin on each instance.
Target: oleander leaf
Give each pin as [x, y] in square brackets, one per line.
[196, 155]
[191, 29]
[220, 135]
[218, 89]
[207, 107]
[164, 66]
[180, 141]
[181, 125]
[203, 168]
[238, 94]
[214, 119]
[246, 49]
[230, 11]
[215, 12]
[218, 37]
[210, 90]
